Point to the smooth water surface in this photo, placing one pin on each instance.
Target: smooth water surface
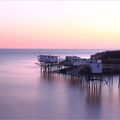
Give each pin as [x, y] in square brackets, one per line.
[26, 93]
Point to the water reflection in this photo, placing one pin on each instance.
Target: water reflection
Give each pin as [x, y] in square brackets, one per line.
[49, 76]
[91, 89]
[94, 93]
[91, 98]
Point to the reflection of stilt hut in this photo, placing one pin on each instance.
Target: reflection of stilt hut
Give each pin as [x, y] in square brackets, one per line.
[48, 62]
[94, 93]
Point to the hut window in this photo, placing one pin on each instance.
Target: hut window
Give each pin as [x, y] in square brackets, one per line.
[98, 66]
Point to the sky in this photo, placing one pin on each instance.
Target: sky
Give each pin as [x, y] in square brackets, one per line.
[60, 24]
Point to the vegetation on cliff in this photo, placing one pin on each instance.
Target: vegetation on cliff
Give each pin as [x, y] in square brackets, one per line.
[108, 57]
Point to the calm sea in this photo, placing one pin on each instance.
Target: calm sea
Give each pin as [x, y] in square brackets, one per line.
[27, 93]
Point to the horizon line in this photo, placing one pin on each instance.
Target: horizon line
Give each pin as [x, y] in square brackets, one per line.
[66, 48]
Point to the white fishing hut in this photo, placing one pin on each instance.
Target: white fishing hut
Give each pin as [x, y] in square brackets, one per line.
[48, 59]
[96, 67]
[70, 60]
[83, 62]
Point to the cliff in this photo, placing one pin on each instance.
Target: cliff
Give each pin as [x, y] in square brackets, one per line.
[108, 57]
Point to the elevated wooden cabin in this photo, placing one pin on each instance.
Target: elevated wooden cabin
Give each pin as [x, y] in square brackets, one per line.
[48, 59]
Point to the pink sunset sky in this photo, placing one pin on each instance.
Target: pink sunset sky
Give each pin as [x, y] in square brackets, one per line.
[60, 24]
